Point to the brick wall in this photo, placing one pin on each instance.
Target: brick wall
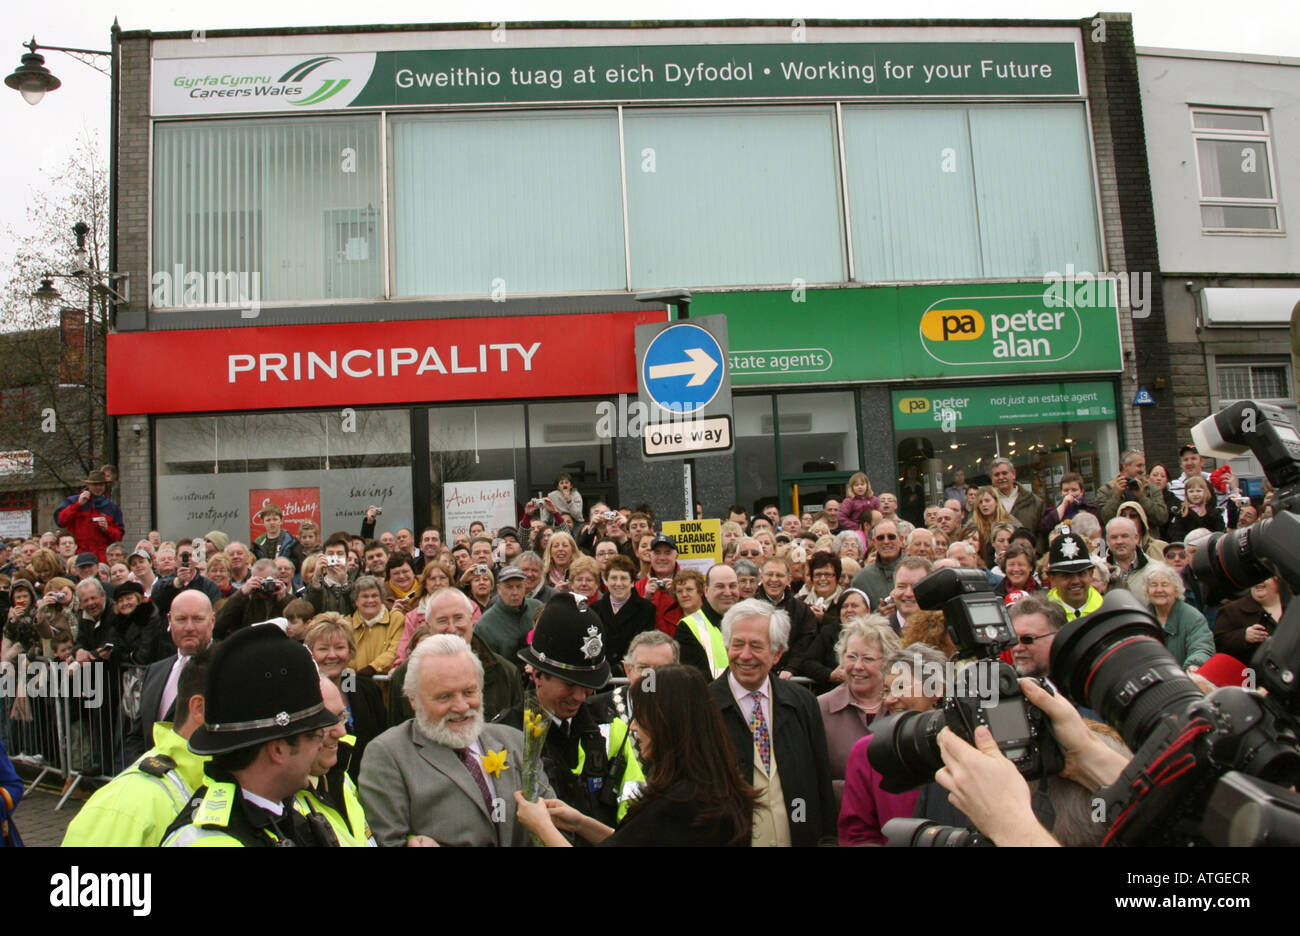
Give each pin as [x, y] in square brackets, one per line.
[135, 490]
[1129, 223]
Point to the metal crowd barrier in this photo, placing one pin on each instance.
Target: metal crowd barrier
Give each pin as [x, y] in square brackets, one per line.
[68, 720]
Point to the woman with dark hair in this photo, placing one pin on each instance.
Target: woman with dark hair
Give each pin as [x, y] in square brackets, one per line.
[693, 795]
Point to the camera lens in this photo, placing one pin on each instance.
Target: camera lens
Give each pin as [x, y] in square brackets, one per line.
[1228, 559]
[926, 833]
[1114, 661]
[904, 749]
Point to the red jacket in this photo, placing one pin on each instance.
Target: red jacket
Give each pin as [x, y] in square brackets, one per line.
[79, 520]
[667, 611]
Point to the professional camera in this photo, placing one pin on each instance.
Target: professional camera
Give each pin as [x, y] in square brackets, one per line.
[269, 586]
[904, 748]
[1210, 769]
[926, 833]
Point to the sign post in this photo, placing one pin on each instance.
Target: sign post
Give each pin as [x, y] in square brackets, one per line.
[684, 382]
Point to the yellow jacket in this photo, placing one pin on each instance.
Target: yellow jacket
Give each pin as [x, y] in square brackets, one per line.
[376, 643]
[138, 805]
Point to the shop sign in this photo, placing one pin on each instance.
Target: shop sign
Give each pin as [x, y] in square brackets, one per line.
[505, 74]
[699, 542]
[952, 331]
[15, 523]
[20, 462]
[367, 363]
[947, 409]
[296, 506]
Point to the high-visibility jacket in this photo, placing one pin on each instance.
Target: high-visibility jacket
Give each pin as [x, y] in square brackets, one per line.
[219, 817]
[1089, 606]
[633, 779]
[334, 796]
[709, 637]
[138, 805]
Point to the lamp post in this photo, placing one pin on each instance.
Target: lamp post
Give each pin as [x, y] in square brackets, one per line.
[115, 288]
[33, 81]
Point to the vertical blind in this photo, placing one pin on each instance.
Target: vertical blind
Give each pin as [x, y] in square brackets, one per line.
[733, 196]
[296, 202]
[509, 203]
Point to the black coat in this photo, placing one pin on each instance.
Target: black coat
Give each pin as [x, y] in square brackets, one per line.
[799, 742]
[669, 820]
[1179, 526]
[636, 615]
[369, 717]
[142, 636]
[139, 734]
[242, 610]
[803, 628]
[692, 654]
[1233, 619]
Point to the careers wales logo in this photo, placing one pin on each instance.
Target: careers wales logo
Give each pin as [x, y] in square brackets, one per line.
[980, 330]
[259, 83]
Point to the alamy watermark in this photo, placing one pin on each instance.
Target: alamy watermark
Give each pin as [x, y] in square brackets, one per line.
[178, 288]
[51, 679]
[1085, 290]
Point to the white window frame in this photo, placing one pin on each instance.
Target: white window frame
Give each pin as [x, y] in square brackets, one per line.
[1263, 137]
[1247, 466]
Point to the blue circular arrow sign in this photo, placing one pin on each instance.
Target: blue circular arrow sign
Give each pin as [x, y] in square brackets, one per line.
[683, 368]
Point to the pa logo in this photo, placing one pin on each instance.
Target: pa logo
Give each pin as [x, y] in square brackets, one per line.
[952, 325]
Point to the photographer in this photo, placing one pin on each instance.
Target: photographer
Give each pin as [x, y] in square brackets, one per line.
[259, 599]
[1131, 484]
[330, 587]
[563, 506]
[988, 788]
[188, 576]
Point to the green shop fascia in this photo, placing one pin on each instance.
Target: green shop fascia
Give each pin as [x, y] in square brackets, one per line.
[953, 355]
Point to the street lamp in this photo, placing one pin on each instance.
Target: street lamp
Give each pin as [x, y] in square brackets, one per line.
[32, 79]
[115, 287]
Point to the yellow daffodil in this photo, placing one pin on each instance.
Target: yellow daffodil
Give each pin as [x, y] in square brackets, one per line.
[494, 762]
[533, 723]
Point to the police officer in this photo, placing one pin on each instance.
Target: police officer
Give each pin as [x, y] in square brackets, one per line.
[330, 795]
[566, 663]
[138, 805]
[265, 725]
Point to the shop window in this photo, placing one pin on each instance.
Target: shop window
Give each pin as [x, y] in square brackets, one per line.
[499, 204]
[756, 475]
[563, 437]
[1235, 164]
[953, 192]
[1045, 429]
[256, 205]
[733, 196]
[327, 466]
[476, 443]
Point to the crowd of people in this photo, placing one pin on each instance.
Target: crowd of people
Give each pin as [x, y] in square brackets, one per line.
[379, 687]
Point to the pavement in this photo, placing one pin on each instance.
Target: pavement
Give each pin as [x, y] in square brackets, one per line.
[39, 823]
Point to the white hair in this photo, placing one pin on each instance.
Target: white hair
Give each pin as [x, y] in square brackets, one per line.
[1115, 520]
[1153, 570]
[435, 645]
[778, 622]
[964, 546]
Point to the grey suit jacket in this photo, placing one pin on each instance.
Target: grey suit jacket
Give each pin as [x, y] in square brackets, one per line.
[411, 785]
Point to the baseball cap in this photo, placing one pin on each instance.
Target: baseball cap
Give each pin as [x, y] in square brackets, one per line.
[663, 539]
[511, 572]
[87, 559]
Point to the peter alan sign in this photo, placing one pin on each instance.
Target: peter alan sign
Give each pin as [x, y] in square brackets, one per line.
[502, 74]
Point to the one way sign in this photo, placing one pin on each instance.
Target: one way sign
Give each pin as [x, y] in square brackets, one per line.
[685, 387]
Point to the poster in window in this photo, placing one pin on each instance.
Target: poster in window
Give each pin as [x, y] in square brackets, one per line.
[297, 505]
[463, 502]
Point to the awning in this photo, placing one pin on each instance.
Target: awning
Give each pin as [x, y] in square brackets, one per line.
[1238, 306]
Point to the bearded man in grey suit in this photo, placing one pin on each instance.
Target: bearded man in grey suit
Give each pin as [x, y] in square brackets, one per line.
[444, 775]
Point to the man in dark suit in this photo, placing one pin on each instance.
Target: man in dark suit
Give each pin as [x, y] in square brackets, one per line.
[444, 775]
[189, 624]
[776, 729]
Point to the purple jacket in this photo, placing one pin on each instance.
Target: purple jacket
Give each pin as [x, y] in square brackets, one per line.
[866, 807]
[854, 509]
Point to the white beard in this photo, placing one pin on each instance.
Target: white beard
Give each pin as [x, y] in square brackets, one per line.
[448, 733]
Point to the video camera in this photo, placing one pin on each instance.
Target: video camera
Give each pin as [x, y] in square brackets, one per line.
[904, 748]
[1216, 769]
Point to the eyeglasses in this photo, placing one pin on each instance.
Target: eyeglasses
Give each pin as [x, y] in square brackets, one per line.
[887, 536]
[1028, 639]
[825, 575]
